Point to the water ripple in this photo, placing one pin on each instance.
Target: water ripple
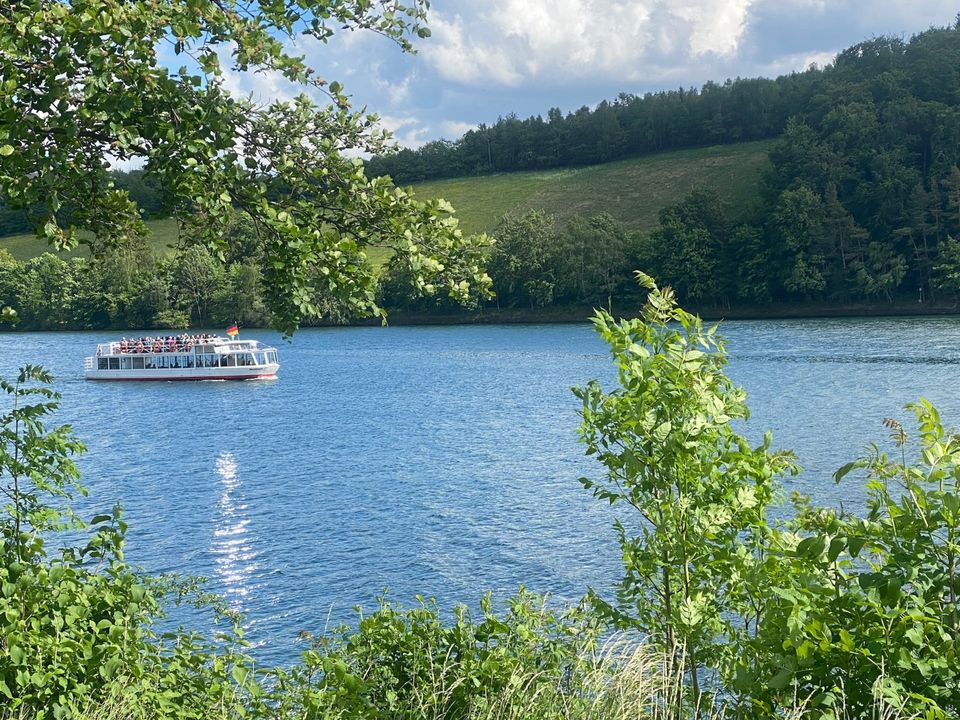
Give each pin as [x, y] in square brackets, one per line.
[440, 461]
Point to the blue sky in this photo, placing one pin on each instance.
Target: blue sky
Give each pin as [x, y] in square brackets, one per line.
[487, 58]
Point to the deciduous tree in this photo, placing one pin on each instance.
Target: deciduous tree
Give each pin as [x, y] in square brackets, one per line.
[82, 85]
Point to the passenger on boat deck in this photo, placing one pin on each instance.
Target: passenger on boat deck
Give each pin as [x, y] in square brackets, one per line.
[160, 344]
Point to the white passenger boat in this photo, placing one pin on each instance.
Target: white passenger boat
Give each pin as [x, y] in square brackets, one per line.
[186, 358]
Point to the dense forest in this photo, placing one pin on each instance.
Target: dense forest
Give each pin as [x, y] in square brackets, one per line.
[861, 203]
[925, 69]
[133, 287]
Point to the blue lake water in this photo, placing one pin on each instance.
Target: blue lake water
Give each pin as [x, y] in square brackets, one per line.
[440, 461]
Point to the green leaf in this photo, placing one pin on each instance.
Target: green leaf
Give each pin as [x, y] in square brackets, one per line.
[844, 470]
[781, 679]
[811, 547]
[240, 673]
[837, 545]
[110, 668]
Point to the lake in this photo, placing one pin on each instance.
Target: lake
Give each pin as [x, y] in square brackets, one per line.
[440, 461]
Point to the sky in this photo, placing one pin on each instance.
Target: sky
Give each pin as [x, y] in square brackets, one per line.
[488, 58]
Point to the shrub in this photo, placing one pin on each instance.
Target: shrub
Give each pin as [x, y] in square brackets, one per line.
[76, 625]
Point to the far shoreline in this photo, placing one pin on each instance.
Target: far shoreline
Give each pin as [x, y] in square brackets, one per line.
[583, 313]
[572, 314]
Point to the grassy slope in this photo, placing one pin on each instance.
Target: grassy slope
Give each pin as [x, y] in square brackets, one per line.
[633, 191]
[163, 233]
[163, 236]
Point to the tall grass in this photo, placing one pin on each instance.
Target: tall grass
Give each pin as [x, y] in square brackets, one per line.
[624, 681]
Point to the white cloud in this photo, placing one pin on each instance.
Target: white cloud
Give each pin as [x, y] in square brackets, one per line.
[714, 27]
[454, 129]
[264, 87]
[407, 130]
[457, 57]
[513, 42]
[395, 93]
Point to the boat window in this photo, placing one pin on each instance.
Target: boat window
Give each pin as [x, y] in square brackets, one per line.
[272, 356]
[259, 359]
[186, 361]
[137, 363]
[114, 363]
[101, 363]
[228, 361]
[125, 363]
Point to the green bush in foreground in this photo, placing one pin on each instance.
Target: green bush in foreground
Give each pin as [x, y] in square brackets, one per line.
[77, 624]
[411, 664]
[832, 613]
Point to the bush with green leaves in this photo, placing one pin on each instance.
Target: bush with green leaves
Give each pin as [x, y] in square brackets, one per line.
[78, 623]
[701, 491]
[415, 664]
[867, 609]
[830, 615]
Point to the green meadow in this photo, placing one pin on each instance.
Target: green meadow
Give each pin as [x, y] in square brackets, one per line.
[163, 235]
[633, 191]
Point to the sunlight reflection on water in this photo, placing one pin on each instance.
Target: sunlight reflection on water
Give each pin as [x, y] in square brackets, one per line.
[232, 548]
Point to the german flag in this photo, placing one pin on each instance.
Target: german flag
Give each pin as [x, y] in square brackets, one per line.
[233, 330]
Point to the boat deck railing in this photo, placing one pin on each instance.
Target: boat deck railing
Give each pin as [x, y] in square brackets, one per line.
[219, 345]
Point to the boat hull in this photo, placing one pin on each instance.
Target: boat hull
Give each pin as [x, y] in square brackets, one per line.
[265, 372]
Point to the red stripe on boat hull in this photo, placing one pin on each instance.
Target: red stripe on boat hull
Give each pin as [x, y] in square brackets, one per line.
[181, 378]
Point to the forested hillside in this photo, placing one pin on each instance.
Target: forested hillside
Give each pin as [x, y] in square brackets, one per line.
[735, 111]
[863, 198]
[861, 201]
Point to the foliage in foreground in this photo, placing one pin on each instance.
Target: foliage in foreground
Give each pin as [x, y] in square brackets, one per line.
[84, 84]
[76, 622]
[838, 610]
